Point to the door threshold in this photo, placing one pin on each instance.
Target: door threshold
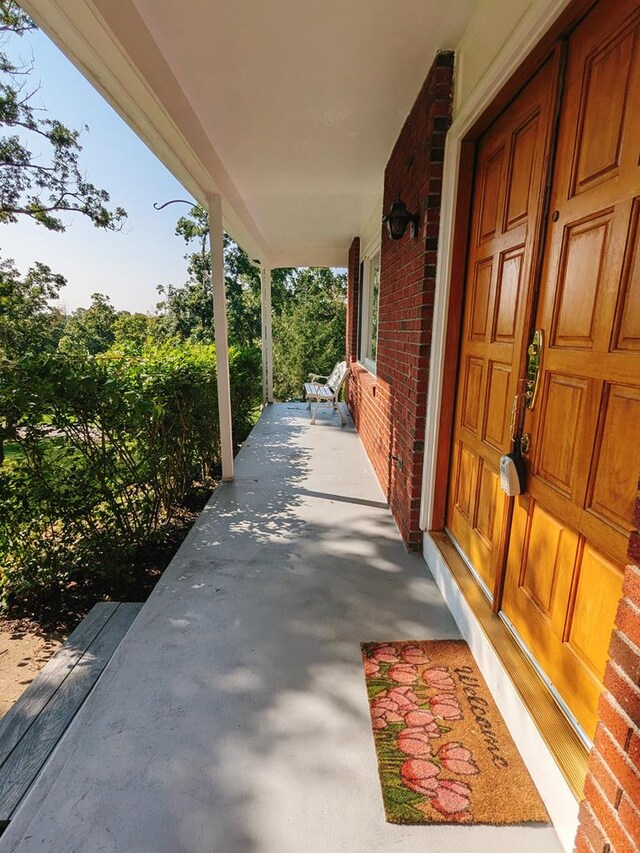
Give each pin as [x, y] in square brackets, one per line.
[552, 749]
[557, 698]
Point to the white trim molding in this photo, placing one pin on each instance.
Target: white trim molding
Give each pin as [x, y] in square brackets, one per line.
[267, 340]
[221, 335]
[370, 263]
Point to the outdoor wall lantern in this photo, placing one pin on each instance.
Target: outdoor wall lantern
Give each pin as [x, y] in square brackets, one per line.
[397, 220]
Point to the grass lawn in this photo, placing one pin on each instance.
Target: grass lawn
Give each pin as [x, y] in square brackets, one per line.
[12, 451]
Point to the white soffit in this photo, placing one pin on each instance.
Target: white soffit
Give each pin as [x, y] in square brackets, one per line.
[291, 107]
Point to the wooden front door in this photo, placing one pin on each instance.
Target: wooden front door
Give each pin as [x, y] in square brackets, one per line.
[570, 531]
[511, 165]
[556, 554]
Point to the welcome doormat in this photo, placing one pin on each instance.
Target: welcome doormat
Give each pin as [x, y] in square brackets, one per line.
[444, 752]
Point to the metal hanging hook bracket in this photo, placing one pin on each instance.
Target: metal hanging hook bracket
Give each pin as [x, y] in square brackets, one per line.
[174, 201]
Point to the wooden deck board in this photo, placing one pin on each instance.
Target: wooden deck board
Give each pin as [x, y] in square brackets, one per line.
[40, 717]
[20, 716]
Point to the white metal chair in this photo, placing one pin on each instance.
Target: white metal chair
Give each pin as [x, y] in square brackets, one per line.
[327, 391]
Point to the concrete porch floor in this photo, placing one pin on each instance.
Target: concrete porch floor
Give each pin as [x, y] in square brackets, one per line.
[233, 717]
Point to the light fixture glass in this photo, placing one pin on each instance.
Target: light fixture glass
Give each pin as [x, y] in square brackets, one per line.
[397, 220]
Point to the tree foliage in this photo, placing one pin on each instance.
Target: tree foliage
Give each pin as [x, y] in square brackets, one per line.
[188, 310]
[309, 329]
[308, 307]
[40, 175]
[110, 417]
[132, 331]
[28, 320]
[90, 330]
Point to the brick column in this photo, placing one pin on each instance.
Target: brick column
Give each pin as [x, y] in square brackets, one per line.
[389, 408]
[407, 287]
[353, 294]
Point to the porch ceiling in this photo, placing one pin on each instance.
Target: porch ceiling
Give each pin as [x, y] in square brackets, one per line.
[289, 109]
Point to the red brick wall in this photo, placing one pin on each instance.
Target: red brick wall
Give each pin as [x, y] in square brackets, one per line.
[353, 300]
[389, 409]
[610, 812]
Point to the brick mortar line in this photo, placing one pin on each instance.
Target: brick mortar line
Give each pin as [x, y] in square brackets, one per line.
[613, 744]
[614, 811]
[624, 677]
[617, 708]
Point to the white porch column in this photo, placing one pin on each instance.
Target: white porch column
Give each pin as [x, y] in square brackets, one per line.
[220, 333]
[267, 340]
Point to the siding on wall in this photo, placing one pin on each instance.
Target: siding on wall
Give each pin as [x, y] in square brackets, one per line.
[389, 409]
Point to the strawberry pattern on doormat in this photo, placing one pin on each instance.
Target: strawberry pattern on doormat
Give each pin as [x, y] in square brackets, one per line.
[444, 752]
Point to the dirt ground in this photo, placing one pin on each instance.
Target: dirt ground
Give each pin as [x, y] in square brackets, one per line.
[24, 650]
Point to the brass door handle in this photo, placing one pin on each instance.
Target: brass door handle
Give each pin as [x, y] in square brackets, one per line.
[534, 366]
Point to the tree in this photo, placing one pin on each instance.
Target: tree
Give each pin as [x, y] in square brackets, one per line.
[243, 287]
[134, 330]
[41, 189]
[28, 323]
[188, 310]
[309, 331]
[308, 307]
[90, 330]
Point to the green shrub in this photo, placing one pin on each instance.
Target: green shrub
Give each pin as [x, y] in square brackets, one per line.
[103, 449]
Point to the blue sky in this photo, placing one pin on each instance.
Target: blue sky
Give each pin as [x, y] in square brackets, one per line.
[127, 266]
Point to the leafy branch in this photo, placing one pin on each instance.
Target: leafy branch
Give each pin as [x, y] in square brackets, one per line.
[40, 191]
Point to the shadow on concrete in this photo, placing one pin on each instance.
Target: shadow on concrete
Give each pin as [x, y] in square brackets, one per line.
[234, 716]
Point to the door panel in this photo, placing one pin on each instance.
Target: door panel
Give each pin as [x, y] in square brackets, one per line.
[605, 91]
[511, 164]
[498, 397]
[570, 531]
[626, 334]
[566, 593]
[580, 281]
[508, 293]
[589, 611]
[612, 489]
[558, 451]
[520, 190]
